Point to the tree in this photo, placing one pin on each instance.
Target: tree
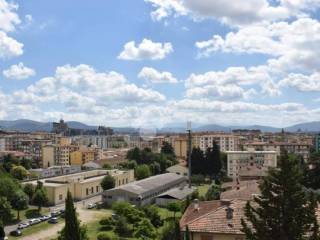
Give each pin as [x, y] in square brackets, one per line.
[72, 229]
[29, 190]
[142, 171]
[174, 207]
[19, 172]
[167, 148]
[9, 161]
[8, 187]
[5, 210]
[283, 211]
[170, 230]
[20, 202]
[107, 166]
[187, 234]
[198, 161]
[122, 227]
[108, 182]
[197, 179]
[213, 192]
[152, 213]
[145, 230]
[26, 163]
[2, 233]
[134, 154]
[40, 198]
[213, 161]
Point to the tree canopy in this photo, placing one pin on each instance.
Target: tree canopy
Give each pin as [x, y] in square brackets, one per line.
[283, 211]
[108, 182]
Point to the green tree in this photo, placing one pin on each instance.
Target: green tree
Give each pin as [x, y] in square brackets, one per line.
[122, 227]
[29, 190]
[142, 171]
[198, 161]
[167, 148]
[174, 207]
[213, 161]
[213, 192]
[108, 182]
[2, 233]
[145, 230]
[72, 229]
[134, 154]
[170, 230]
[152, 213]
[8, 187]
[20, 202]
[107, 166]
[40, 198]
[9, 161]
[26, 163]
[5, 210]
[283, 211]
[19, 172]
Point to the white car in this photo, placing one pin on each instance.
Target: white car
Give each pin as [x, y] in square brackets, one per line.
[23, 225]
[91, 205]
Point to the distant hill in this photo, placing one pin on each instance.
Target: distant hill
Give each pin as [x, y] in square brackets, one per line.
[32, 126]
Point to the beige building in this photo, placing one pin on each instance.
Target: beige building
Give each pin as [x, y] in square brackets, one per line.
[59, 155]
[243, 161]
[180, 147]
[81, 185]
[84, 155]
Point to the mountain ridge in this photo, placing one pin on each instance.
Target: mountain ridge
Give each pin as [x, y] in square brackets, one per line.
[27, 125]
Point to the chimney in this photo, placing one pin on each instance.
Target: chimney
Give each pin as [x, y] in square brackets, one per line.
[229, 213]
[196, 204]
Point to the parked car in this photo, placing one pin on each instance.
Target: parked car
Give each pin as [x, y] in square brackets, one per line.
[53, 220]
[44, 218]
[23, 225]
[91, 205]
[55, 213]
[16, 233]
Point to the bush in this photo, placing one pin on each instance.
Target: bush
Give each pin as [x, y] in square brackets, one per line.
[107, 236]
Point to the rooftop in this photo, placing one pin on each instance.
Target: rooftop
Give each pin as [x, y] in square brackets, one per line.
[151, 183]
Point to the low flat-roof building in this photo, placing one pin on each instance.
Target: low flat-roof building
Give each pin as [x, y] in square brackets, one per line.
[55, 171]
[178, 169]
[81, 185]
[145, 191]
[174, 195]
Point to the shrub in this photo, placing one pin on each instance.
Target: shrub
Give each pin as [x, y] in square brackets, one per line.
[107, 236]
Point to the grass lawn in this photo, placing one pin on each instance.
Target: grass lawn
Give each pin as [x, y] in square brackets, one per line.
[31, 212]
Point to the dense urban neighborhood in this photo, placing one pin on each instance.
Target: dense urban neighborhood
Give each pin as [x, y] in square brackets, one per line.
[115, 186]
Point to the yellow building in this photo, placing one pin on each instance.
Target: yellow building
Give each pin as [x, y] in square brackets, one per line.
[54, 154]
[81, 185]
[83, 156]
[180, 147]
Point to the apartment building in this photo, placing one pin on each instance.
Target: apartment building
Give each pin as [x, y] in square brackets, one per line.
[250, 163]
[226, 142]
[298, 148]
[84, 155]
[82, 185]
[54, 154]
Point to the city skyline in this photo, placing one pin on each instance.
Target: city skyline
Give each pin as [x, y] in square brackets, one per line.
[156, 63]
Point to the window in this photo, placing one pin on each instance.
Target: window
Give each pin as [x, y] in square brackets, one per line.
[60, 197]
[97, 188]
[92, 190]
[87, 191]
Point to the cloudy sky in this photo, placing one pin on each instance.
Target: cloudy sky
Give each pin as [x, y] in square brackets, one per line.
[161, 62]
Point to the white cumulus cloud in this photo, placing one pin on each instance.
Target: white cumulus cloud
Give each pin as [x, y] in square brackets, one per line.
[152, 75]
[146, 50]
[18, 72]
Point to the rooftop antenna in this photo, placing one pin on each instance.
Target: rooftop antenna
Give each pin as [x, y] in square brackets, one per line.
[189, 150]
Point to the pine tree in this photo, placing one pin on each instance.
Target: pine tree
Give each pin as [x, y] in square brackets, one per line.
[283, 211]
[72, 230]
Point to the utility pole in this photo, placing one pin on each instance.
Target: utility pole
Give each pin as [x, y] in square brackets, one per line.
[189, 150]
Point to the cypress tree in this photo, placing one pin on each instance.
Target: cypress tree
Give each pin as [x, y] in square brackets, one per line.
[283, 211]
[71, 229]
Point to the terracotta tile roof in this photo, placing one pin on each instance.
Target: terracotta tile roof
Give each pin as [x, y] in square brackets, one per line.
[244, 191]
[215, 219]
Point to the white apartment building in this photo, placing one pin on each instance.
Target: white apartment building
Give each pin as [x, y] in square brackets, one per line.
[226, 142]
[239, 161]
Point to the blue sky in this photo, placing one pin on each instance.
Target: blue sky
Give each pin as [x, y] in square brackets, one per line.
[156, 62]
